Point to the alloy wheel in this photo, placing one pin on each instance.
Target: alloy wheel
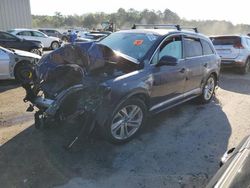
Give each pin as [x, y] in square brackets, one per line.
[209, 88]
[126, 122]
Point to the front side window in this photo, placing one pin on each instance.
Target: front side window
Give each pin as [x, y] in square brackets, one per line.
[171, 47]
[7, 36]
[135, 45]
[192, 47]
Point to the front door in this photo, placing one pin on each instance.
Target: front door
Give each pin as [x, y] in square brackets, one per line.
[168, 80]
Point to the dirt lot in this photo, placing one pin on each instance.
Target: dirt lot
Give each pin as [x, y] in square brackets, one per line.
[178, 148]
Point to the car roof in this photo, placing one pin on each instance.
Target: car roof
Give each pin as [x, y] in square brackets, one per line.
[22, 29]
[47, 29]
[163, 32]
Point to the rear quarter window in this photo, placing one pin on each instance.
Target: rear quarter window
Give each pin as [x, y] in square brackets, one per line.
[207, 49]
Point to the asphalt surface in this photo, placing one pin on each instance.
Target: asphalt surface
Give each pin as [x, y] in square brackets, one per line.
[180, 147]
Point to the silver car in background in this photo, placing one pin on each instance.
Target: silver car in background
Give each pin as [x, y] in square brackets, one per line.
[17, 64]
[234, 51]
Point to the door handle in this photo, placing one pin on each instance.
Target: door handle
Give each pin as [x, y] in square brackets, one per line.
[205, 65]
[182, 70]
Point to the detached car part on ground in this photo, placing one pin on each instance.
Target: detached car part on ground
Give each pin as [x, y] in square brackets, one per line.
[17, 64]
[234, 171]
[122, 79]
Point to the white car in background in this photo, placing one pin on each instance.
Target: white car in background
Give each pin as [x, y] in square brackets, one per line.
[35, 35]
[17, 64]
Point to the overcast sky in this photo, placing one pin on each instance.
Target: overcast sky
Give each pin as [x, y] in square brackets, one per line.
[234, 11]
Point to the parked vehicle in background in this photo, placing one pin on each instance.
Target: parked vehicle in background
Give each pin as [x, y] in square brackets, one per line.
[123, 78]
[86, 37]
[17, 64]
[30, 34]
[55, 33]
[235, 169]
[234, 51]
[8, 40]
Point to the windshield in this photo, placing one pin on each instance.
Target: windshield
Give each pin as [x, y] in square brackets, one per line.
[135, 45]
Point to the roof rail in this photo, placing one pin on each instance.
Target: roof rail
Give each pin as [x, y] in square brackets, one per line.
[156, 26]
[191, 28]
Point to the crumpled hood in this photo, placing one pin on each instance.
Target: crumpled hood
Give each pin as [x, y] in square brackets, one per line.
[89, 56]
[86, 63]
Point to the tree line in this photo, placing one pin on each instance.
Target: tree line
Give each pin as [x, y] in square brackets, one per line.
[124, 19]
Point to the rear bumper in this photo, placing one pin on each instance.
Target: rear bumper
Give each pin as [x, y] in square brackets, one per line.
[231, 63]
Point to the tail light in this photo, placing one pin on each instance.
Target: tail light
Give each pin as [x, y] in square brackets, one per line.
[238, 45]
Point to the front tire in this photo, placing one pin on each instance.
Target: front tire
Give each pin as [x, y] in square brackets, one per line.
[208, 90]
[126, 121]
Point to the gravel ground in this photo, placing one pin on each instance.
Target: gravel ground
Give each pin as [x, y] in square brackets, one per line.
[180, 147]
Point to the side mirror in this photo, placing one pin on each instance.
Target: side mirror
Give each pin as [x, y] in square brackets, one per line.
[168, 61]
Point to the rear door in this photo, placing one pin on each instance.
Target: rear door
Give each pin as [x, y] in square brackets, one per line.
[228, 47]
[194, 63]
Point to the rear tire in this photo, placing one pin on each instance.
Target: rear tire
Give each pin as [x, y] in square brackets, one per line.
[208, 90]
[246, 68]
[54, 45]
[65, 39]
[126, 121]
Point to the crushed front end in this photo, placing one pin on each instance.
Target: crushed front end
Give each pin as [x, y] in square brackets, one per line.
[62, 87]
[71, 82]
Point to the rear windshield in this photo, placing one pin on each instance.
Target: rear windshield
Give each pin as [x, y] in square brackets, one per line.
[232, 40]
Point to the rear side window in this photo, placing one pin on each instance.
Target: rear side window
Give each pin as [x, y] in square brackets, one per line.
[24, 33]
[192, 47]
[207, 49]
[227, 40]
[37, 34]
[50, 31]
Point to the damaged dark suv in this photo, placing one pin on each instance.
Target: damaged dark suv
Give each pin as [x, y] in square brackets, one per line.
[122, 79]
